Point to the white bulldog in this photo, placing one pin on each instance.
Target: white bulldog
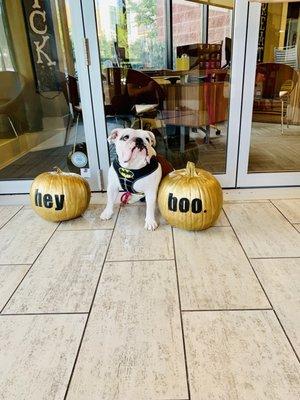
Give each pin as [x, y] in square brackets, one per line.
[136, 170]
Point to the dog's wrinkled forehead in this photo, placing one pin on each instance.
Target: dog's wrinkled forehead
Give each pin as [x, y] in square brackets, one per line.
[128, 134]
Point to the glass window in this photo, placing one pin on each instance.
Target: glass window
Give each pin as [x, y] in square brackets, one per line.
[186, 107]
[275, 133]
[131, 33]
[6, 60]
[187, 23]
[197, 92]
[40, 113]
[219, 29]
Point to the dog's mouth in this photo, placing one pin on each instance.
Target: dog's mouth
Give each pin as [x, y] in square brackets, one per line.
[140, 145]
[136, 149]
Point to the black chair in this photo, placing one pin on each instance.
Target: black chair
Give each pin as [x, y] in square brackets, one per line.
[69, 88]
[134, 97]
[227, 52]
[127, 89]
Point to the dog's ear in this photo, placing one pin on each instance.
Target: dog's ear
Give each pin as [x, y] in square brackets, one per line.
[152, 138]
[113, 135]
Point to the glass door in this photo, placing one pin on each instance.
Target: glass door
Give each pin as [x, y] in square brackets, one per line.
[270, 129]
[46, 113]
[172, 67]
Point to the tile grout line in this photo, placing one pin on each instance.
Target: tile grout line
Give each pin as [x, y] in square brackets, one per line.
[295, 226]
[138, 260]
[284, 216]
[289, 340]
[12, 265]
[89, 312]
[228, 309]
[251, 266]
[285, 198]
[44, 313]
[246, 201]
[29, 269]
[21, 208]
[181, 319]
[253, 269]
[260, 200]
[271, 258]
[85, 229]
[91, 229]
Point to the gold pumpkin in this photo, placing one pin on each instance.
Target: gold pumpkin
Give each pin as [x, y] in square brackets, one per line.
[190, 198]
[59, 196]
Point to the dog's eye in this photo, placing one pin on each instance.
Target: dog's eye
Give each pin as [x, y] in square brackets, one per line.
[126, 137]
[148, 140]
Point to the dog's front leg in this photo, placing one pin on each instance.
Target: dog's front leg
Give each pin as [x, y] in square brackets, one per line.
[150, 223]
[112, 193]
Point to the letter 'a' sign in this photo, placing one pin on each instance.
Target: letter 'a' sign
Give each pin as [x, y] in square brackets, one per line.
[39, 25]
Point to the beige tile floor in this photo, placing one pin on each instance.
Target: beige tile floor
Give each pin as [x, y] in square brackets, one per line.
[94, 310]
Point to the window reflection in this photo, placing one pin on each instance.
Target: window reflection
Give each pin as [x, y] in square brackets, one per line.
[40, 113]
[275, 135]
[184, 103]
[131, 33]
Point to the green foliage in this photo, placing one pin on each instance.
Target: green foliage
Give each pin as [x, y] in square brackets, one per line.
[106, 47]
[145, 12]
[146, 50]
[122, 30]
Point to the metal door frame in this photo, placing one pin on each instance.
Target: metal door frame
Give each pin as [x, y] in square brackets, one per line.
[227, 180]
[259, 179]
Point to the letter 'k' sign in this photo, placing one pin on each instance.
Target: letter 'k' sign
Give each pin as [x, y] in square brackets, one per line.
[35, 17]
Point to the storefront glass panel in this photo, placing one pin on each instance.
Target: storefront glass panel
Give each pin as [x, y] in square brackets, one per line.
[40, 112]
[275, 134]
[185, 103]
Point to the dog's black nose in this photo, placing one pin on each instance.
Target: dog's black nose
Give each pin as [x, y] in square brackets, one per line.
[139, 141]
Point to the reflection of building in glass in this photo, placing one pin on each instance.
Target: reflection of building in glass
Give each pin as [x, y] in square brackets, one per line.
[138, 27]
[187, 21]
[219, 24]
[6, 60]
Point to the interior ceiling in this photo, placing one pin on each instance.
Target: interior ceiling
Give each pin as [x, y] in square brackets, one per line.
[230, 3]
[217, 3]
[274, 1]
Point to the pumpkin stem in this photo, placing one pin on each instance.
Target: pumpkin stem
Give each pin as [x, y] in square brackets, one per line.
[190, 169]
[57, 170]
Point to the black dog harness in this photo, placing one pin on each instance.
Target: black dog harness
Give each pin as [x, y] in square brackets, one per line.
[128, 177]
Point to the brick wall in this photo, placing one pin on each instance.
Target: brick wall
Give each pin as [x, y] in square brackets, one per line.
[187, 20]
[219, 25]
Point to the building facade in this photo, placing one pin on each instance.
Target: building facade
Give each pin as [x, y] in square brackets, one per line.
[217, 82]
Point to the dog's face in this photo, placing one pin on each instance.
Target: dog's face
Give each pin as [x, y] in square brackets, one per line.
[133, 146]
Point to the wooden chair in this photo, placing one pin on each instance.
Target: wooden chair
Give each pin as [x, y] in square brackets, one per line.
[69, 88]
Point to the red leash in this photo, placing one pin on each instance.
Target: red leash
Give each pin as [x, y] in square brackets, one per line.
[125, 198]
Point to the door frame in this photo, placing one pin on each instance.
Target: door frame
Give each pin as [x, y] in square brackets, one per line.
[22, 186]
[228, 179]
[90, 24]
[244, 46]
[259, 179]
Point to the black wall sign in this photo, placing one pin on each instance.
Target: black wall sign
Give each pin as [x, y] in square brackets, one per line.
[42, 43]
[262, 32]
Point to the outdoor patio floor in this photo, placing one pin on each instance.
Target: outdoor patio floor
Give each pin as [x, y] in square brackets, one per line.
[95, 310]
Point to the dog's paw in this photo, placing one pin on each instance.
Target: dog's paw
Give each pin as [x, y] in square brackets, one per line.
[106, 214]
[150, 224]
